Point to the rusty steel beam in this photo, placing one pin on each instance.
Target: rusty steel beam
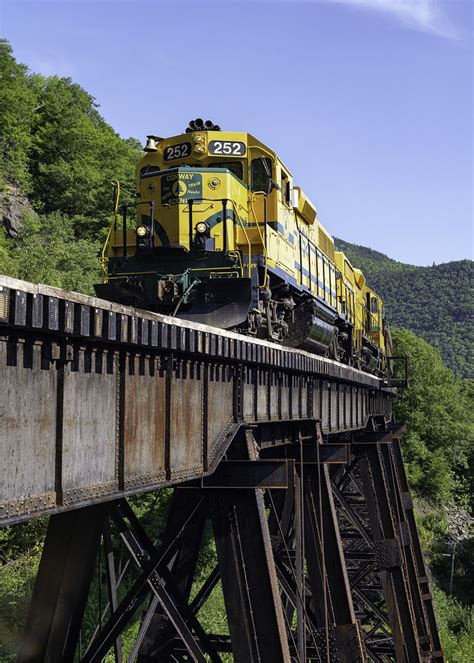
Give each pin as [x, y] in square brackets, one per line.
[111, 583]
[387, 542]
[328, 573]
[183, 570]
[154, 576]
[413, 549]
[125, 400]
[383, 558]
[318, 553]
[245, 474]
[248, 576]
[62, 584]
[315, 587]
[247, 567]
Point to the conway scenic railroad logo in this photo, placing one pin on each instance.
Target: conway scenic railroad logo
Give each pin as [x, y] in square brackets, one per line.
[178, 188]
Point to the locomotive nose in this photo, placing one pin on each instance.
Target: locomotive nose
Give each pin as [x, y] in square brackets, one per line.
[193, 209]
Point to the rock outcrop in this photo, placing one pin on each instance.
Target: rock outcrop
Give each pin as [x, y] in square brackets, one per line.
[14, 205]
[460, 523]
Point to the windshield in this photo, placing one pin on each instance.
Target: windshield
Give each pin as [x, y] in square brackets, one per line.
[235, 167]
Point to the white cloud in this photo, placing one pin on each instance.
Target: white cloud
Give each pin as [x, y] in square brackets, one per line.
[424, 15]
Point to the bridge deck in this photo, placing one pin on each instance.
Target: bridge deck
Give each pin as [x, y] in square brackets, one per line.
[101, 400]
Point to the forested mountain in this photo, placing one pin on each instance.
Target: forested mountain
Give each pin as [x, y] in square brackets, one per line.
[435, 302]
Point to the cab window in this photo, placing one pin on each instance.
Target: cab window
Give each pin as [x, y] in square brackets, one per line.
[285, 188]
[261, 174]
[149, 170]
[235, 167]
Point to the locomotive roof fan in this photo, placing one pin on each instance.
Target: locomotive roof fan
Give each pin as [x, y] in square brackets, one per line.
[199, 125]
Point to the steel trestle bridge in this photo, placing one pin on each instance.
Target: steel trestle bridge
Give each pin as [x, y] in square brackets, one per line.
[291, 460]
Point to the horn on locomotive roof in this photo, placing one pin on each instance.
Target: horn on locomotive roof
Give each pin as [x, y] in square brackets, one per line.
[199, 125]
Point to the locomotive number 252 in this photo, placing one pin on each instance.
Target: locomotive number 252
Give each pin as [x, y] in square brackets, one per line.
[227, 147]
[177, 151]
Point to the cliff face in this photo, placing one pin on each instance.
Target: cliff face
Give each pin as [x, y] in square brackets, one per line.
[14, 205]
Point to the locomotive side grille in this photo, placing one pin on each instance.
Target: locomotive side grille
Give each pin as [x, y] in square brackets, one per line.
[326, 244]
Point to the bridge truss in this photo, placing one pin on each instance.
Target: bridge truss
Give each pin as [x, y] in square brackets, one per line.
[288, 463]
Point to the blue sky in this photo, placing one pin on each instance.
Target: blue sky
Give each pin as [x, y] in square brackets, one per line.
[368, 102]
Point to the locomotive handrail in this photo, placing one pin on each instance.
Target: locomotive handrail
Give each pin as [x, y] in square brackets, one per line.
[191, 201]
[262, 236]
[238, 255]
[246, 236]
[104, 259]
[317, 251]
[301, 252]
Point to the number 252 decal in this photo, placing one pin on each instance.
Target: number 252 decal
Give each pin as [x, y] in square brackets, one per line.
[226, 147]
[177, 151]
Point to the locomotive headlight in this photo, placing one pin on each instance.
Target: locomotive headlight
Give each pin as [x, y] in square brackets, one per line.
[142, 231]
[198, 138]
[202, 228]
[199, 148]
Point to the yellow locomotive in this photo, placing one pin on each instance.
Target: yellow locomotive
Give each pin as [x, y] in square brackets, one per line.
[225, 238]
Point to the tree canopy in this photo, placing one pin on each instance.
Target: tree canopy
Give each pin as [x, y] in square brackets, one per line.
[57, 147]
[437, 409]
[17, 108]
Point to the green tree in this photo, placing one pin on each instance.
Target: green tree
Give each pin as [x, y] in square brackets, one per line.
[57, 148]
[46, 251]
[75, 155]
[437, 411]
[20, 550]
[456, 627]
[8, 263]
[17, 109]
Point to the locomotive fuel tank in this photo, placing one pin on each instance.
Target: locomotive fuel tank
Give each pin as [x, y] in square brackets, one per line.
[313, 328]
